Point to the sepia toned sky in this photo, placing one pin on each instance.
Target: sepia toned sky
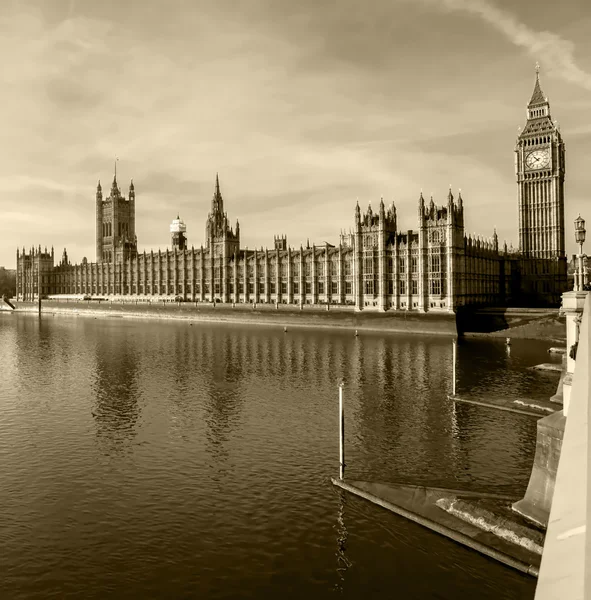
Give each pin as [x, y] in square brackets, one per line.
[302, 107]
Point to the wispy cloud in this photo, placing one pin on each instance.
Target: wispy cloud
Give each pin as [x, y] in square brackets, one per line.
[556, 53]
[299, 111]
[19, 183]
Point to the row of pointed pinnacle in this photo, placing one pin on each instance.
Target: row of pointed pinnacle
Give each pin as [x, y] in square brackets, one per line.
[472, 240]
[36, 251]
[391, 212]
[391, 209]
[114, 186]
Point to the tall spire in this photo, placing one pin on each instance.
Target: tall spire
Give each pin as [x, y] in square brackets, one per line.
[114, 186]
[217, 204]
[538, 96]
[217, 195]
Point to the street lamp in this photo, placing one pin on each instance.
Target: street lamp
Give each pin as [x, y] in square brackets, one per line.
[580, 239]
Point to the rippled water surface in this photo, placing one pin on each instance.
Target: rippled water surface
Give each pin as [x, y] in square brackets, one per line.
[167, 460]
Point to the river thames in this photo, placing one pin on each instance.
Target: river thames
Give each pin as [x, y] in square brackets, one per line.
[146, 459]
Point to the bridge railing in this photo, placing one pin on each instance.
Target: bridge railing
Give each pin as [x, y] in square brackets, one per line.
[565, 572]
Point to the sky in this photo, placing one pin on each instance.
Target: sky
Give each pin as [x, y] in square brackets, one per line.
[302, 108]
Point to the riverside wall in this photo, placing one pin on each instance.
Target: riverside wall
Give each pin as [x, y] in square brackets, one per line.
[315, 316]
[524, 323]
[534, 324]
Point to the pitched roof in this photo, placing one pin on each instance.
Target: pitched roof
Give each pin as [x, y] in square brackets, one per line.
[538, 126]
[538, 96]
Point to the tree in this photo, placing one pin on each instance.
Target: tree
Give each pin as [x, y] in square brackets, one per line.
[7, 282]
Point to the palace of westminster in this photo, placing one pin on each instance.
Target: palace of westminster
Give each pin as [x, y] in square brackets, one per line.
[436, 267]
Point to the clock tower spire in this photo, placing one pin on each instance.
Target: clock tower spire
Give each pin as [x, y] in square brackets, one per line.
[540, 169]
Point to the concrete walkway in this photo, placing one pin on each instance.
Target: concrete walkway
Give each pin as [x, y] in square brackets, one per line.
[424, 505]
[565, 572]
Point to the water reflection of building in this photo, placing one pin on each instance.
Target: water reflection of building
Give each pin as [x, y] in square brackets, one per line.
[484, 440]
[402, 406]
[115, 385]
[219, 355]
[343, 562]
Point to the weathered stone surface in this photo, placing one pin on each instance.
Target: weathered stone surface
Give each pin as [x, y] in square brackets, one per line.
[421, 505]
[535, 505]
[558, 396]
[492, 517]
[548, 367]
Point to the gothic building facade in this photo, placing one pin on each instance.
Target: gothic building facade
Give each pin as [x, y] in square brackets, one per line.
[437, 267]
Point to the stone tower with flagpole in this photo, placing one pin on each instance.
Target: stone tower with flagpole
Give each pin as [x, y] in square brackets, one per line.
[115, 223]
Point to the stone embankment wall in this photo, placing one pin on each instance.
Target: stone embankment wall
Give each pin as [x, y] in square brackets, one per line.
[263, 314]
[524, 323]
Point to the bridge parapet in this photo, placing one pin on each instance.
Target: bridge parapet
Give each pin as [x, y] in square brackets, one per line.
[565, 571]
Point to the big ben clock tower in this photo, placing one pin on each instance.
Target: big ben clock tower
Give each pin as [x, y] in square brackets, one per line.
[540, 169]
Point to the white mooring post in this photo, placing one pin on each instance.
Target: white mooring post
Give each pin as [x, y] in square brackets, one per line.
[39, 283]
[341, 433]
[453, 369]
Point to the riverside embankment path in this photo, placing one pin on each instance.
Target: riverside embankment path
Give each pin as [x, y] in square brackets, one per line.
[316, 316]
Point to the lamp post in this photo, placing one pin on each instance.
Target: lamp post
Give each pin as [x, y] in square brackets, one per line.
[580, 239]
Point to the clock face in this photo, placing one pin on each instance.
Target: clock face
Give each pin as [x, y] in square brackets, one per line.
[538, 159]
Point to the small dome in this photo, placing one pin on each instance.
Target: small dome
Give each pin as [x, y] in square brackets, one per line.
[178, 226]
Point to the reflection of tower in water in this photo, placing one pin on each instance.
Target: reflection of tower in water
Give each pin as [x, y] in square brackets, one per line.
[483, 439]
[185, 376]
[221, 357]
[343, 563]
[300, 356]
[115, 385]
[400, 418]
